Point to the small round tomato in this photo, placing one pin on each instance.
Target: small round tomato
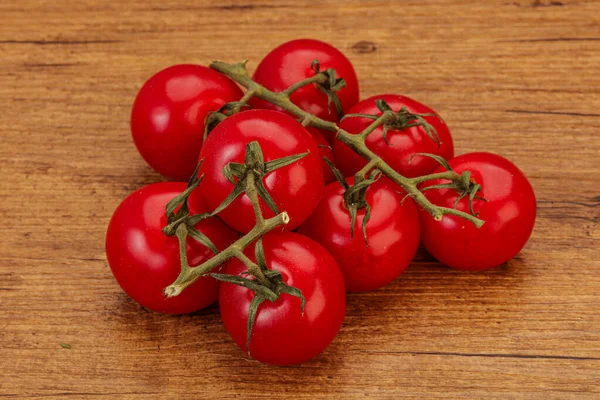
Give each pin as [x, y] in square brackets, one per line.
[402, 144]
[291, 62]
[295, 188]
[509, 215]
[392, 231]
[282, 334]
[167, 119]
[144, 261]
[325, 151]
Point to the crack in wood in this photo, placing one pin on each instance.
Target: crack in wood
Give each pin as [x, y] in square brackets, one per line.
[230, 7]
[572, 114]
[585, 39]
[51, 42]
[490, 355]
[540, 3]
[364, 47]
[49, 65]
[596, 203]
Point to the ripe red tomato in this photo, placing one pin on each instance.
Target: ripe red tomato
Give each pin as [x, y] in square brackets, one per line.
[291, 62]
[402, 144]
[325, 151]
[167, 119]
[281, 334]
[296, 188]
[509, 215]
[392, 231]
[144, 261]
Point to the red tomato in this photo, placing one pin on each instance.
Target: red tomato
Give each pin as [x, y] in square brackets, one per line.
[144, 261]
[392, 231]
[281, 334]
[325, 151]
[509, 215]
[296, 188]
[167, 119]
[291, 62]
[402, 144]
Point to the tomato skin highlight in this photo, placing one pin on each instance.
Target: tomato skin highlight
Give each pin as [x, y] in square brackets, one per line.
[296, 188]
[290, 63]
[282, 335]
[509, 215]
[144, 261]
[392, 231]
[167, 118]
[402, 144]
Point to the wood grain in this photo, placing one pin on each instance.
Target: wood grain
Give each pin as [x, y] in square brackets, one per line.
[519, 78]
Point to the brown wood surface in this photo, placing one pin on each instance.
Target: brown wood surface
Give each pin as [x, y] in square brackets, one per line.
[519, 78]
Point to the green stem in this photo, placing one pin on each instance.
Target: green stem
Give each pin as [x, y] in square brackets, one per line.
[452, 211]
[253, 268]
[360, 175]
[253, 196]
[306, 121]
[247, 96]
[182, 234]
[317, 78]
[190, 275]
[449, 175]
[238, 73]
[387, 116]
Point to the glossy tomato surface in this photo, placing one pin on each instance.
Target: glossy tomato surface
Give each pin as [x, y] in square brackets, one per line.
[402, 144]
[509, 215]
[282, 335]
[144, 261]
[295, 188]
[291, 62]
[392, 231]
[167, 119]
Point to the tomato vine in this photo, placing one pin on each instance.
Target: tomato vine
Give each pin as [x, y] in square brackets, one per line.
[247, 178]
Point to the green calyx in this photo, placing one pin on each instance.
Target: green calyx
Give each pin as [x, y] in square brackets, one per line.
[254, 165]
[181, 223]
[400, 120]
[247, 177]
[228, 109]
[270, 288]
[355, 196]
[464, 186]
[214, 118]
[330, 85]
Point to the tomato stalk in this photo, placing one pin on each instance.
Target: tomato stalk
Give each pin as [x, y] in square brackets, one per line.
[189, 274]
[238, 73]
[449, 175]
[318, 78]
[247, 179]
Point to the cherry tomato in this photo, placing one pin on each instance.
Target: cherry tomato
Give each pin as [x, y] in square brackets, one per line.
[509, 215]
[392, 232]
[281, 334]
[167, 119]
[291, 62]
[144, 261]
[296, 188]
[402, 144]
[325, 151]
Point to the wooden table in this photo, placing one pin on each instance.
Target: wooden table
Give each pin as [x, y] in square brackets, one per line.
[514, 77]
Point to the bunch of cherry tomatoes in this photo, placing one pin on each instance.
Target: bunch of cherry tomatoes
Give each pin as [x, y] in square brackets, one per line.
[322, 251]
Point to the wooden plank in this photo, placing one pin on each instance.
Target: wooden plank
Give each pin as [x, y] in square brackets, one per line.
[518, 78]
